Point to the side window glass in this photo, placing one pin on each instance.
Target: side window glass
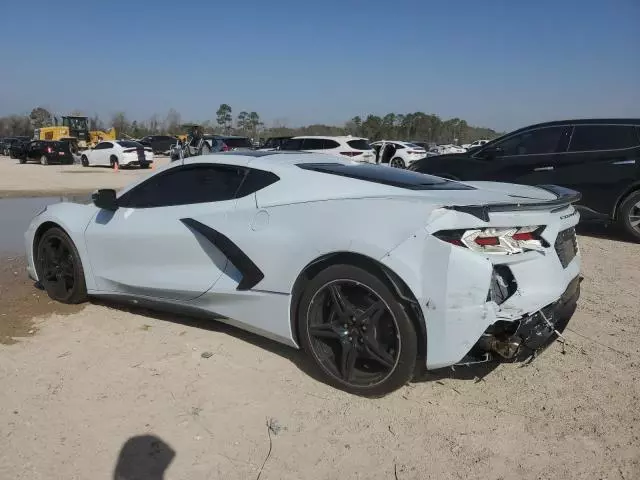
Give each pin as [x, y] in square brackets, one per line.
[313, 144]
[186, 185]
[540, 141]
[603, 137]
[256, 180]
[292, 144]
[330, 144]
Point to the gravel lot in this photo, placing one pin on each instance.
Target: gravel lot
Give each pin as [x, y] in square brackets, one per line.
[92, 390]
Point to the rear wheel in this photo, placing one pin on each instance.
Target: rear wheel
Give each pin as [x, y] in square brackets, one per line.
[22, 160]
[629, 216]
[397, 162]
[59, 267]
[356, 331]
[113, 161]
[84, 160]
[44, 160]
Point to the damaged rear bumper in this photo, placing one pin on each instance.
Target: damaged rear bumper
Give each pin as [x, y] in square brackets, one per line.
[517, 340]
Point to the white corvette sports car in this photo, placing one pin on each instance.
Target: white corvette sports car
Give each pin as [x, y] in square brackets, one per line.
[369, 269]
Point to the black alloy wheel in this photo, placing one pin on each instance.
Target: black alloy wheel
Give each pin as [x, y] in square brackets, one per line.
[59, 267]
[357, 332]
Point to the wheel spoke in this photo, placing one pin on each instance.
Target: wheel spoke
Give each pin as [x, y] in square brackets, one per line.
[634, 220]
[372, 314]
[348, 358]
[376, 352]
[339, 302]
[324, 330]
[52, 253]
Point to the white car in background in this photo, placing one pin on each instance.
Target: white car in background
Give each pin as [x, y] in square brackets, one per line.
[118, 153]
[446, 149]
[477, 143]
[398, 154]
[356, 148]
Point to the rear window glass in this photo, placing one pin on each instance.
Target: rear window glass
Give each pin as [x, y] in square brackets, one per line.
[359, 144]
[128, 144]
[603, 137]
[412, 145]
[394, 177]
[237, 142]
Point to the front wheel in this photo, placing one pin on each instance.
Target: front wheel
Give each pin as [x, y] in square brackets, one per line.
[356, 331]
[397, 162]
[114, 162]
[84, 160]
[59, 267]
[629, 216]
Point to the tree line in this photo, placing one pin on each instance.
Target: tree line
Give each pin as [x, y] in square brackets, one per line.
[417, 126]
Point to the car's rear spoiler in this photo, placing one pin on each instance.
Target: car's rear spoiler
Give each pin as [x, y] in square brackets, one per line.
[564, 198]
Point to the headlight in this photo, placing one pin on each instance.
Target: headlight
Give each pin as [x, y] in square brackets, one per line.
[500, 240]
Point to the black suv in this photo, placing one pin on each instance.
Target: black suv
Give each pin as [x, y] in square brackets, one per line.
[599, 158]
[5, 144]
[43, 151]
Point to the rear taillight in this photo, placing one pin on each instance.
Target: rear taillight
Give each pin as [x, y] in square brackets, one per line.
[501, 240]
[49, 150]
[350, 154]
[414, 151]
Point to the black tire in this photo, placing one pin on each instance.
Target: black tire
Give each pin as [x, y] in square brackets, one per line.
[113, 160]
[59, 267]
[351, 350]
[22, 160]
[144, 165]
[397, 162]
[44, 160]
[84, 160]
[629, 215]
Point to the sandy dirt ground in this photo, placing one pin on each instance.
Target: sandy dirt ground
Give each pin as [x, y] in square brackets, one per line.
[102, 391]
[28, 178]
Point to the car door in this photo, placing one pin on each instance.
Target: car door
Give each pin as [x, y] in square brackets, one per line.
[158, 242]
[33, 150]
[602, 162]
[527, 157]
[99, 155]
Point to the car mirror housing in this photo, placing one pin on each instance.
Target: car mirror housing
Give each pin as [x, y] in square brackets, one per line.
[105, 198]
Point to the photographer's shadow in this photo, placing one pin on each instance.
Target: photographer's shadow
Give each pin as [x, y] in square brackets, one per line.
[143, 457]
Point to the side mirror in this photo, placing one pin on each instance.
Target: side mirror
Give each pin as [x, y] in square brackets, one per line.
[105, 198]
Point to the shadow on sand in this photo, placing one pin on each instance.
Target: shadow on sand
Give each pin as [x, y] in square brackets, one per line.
[143, 457]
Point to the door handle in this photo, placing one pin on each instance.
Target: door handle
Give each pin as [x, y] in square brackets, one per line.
[542, 169]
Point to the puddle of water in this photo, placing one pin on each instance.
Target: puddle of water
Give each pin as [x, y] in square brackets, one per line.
[17, 213]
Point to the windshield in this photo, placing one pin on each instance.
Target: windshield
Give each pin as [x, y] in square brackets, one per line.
[394, 177]
[75, 123]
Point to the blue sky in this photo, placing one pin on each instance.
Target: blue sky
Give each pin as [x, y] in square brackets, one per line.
[496, 63]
